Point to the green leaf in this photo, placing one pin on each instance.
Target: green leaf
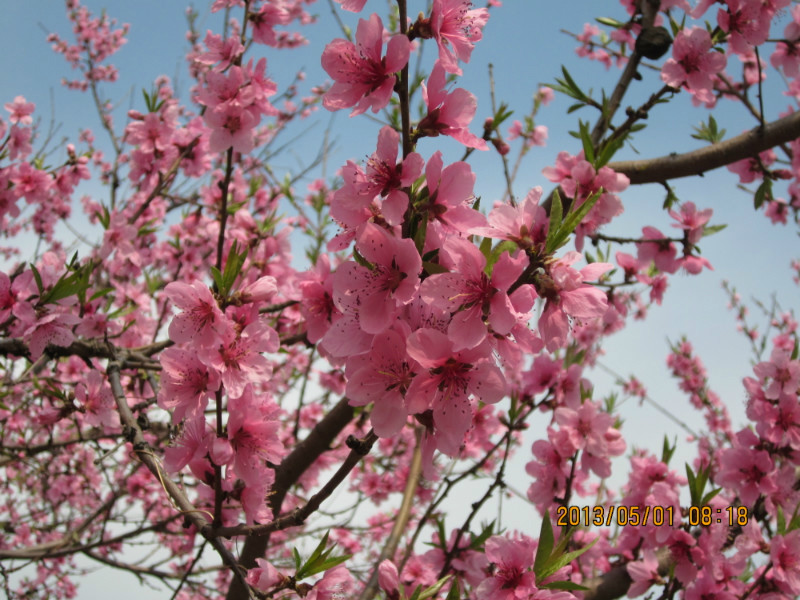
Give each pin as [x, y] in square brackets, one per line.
[570, 223]
[557, 562]
[764, 192]
[434, 589]
[217, 277]
[478, 542]
[670, 200]
[667, 451]
[563, 585]
[556, 216]
[712, 229]
[433, 268]
[710, 495]
[38, 278]
[497, 252]
[586, 140]
[326, 564]
[610, 22]
[607, 152]
[362, 261]
[546, 541]
[781, 521]
[455, 591]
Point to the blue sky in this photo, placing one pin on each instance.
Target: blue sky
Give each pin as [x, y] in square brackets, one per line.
[523, 42]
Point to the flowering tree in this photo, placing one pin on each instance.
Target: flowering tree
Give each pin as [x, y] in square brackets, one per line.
[185, 387]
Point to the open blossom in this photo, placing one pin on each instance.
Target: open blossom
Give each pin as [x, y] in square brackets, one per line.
[382, 290]
[456, 26]
[693, 63]
[567, 295]
[186, 383]
[449, 113]
[382, 377]
[238, 358]
[384, 176]
[202, 320]
[525, 224]
[253, 431]
[447, 383]
[691, 220]
[471, 294]
[363, 78]
[97, 401]
[512, 577]
[450, 195]
[20, 110]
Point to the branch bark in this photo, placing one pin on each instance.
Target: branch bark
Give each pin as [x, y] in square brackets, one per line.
[697, 162]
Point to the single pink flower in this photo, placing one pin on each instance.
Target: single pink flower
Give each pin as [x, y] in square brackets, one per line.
[449, 113]
[456, 27]
[448, 381]
[20, 110]
[693, 63]
[202, 320]
[567, 295]
[362, 77]
[238, 358]
[381, 376]
[253, 431]
[391, 282]
[186, 384]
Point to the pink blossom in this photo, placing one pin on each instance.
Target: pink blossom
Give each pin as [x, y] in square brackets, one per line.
[472, 295]
[253, 431]
[20, 110]
[97, 401]
[449, 113]
[362, 77]
[512, 578]
[337, 583]
[693, 63]
[186, 384]
[390, 283]
[456, 28]
[191, 449]
[238, 358]
[384, 176]
[381, 376]
[265, 576]
[785, 555]
[450, 195]
[264, 21]
[525, 224]
[231, 126]
[446, 383]
[691, 220]
[567, 295]
[352, 5]
[201, 320]
[644, 574]
[660, 251]
[47, 328]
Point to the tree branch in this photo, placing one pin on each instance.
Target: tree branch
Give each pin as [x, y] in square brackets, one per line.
[697, 162]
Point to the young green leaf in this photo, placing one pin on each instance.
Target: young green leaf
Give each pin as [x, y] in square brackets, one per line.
[546, 541]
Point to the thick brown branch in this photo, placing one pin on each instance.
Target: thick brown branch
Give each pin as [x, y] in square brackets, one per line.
[697, 162]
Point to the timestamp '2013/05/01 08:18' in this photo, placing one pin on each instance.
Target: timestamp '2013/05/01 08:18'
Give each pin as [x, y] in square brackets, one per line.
[574, 516]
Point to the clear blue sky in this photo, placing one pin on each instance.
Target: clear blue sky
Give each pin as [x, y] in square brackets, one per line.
[523, 41]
